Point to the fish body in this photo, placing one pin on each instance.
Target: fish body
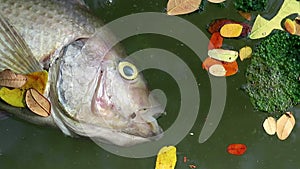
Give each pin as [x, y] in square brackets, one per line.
[263, 27]
[93, 91]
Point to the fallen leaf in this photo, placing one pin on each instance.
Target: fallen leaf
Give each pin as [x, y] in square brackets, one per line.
[236, 149]
[263, 27]
[179, 7]
[216, 25]
[245, 52]
[208, 62]
[216, 41]
[15, 97]
[285, 125]
[269, 125]
[231, 30]
[230, 67]
[216, 1]
[10, 79]
[245, 15]
[166, 158]
[217, 70]
[223, 55]
[290, 26]
[37, 103]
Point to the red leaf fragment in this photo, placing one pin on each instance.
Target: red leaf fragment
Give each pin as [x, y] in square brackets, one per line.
[216, 41]
[216, 25]
[236, 149]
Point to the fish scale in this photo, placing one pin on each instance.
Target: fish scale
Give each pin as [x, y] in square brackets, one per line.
[56, 23]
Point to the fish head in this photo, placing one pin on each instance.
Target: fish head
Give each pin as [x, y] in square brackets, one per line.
[105, 93]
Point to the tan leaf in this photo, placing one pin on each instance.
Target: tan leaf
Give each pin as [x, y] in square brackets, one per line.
[179, 7]
[216, 1]
[245, 52]
[10, 79]
[285, 125]
[37, 103]
[217, 70]
[270, 125]
[232, 30]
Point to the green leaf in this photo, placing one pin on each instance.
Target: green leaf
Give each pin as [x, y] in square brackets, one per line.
[263, 27]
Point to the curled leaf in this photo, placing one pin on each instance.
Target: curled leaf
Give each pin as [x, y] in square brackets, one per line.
[223, 55]
[236, 149]
[217, 70]
[231, 30]
[37, 103]
[179, 7]
[285, 125]
[245, 52]
[10, 79]
[269, 125]
[166, 158]
[216, 41]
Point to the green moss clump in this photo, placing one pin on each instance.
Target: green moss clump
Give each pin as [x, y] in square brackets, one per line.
[250, 5]
[273, 74]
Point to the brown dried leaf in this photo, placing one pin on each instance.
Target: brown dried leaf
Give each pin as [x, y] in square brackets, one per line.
[285, 125]
[245, 15]
[270, 125]
[10, 79]
[37, 103]
[179, 7]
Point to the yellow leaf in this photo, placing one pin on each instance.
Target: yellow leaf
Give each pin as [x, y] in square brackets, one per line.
[166, 158]
[245, 52]
[179, 7]
[290, 26]
[231, 30]
[223, 54]
[15, 97]
[285, 125]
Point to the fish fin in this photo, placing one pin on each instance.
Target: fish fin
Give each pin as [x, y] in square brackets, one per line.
[14, 51]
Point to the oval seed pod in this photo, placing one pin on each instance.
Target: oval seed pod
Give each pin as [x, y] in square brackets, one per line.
[270, 125]
[285, 125]
[37, 103]
[217, 70]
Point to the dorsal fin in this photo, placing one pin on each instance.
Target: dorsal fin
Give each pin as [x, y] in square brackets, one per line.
[14, 52]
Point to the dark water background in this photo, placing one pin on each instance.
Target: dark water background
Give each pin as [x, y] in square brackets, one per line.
[23, 145]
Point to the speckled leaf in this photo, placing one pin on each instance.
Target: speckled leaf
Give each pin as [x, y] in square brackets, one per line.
[166, 158]
[179, 7]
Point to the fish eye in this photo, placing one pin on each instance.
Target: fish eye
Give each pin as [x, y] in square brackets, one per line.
[127, 70]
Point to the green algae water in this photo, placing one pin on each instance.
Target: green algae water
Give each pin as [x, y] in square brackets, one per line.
[23, 145]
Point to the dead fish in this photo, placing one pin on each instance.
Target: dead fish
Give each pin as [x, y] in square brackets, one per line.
[93, 91]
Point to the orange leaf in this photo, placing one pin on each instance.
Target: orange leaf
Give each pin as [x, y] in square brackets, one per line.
[236, 149]
[230, 67]
[208, 62]
[245, 15]
[216, 41]
[290, 26]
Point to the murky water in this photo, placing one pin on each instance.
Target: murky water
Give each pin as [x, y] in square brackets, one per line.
[23, 145]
